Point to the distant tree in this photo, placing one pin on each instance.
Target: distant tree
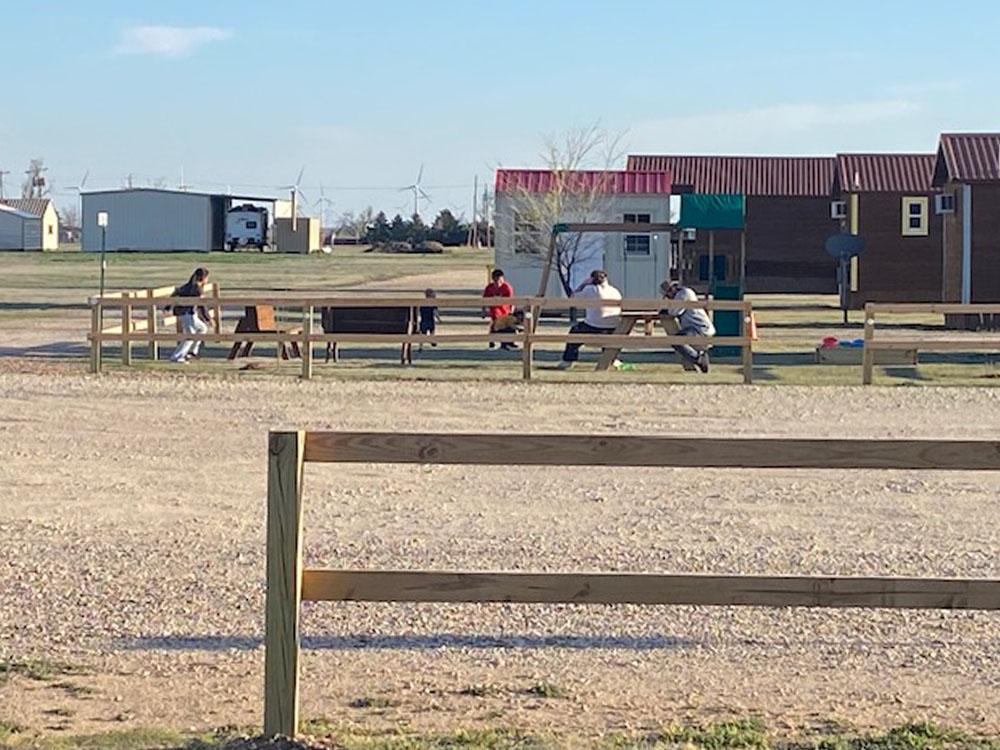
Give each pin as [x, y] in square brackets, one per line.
[418, 230]
[399, 229]
[69, 216]
[34, 185]
[448, 230]
[378, 230]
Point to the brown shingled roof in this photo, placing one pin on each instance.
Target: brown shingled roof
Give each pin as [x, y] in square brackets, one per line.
[885, 173]
[968, 157]
[33, 206]
[750, 175]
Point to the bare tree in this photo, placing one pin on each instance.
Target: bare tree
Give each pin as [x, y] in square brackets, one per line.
[570, 197]
[69, 216]
[34, 185]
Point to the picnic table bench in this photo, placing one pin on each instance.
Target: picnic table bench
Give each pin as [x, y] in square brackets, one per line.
[262, 319]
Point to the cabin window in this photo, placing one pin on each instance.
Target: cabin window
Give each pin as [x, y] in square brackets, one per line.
[50, 229]
[251, 225]
[915, 217]
[636, 244]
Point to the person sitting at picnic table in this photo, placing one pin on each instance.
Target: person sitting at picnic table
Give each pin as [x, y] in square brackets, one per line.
[691, 321]
[192, 321]
[498, 287]
[601, 319]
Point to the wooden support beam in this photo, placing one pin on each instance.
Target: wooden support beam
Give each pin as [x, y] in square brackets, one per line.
[868, 354]
[95, 338]
[308, 313]
[940, 345]
[152, 346]
[618, 450]
[284, 582]
[650, 588]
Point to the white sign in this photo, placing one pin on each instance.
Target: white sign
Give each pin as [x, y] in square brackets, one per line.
[102, 218]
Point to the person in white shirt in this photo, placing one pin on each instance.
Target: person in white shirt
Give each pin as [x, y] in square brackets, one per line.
[692, 321]
[600, 319]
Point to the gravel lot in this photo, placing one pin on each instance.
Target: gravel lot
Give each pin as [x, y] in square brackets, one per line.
[132, 511]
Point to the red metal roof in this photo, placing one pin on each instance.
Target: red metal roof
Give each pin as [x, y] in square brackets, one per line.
[968, 157]
[885, 173]
[33, 206]
[750, 175]
[583, 181]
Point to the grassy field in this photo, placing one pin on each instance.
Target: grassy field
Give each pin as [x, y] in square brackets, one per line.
[728, 735]
[47, 293]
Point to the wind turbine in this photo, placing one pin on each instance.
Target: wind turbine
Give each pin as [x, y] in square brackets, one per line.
[79, 192]
[323, 202]
[418, 191]
[296, 193]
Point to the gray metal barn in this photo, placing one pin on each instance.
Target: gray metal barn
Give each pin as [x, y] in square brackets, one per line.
[19, 230]
[151, 219]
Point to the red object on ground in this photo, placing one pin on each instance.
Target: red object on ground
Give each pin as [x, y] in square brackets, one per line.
[499, 290]
[829, 342]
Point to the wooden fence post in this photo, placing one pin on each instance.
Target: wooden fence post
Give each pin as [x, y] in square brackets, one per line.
[154, 345]
[217, 308]
[868, 353]
[526, 343]
[95, 337]
[307, 345]
[127, 330]
[286, 452]
[747, 351]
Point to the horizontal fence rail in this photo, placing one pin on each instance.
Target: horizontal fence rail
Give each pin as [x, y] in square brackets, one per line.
[148, 331]
[915, 343]
[289, 582]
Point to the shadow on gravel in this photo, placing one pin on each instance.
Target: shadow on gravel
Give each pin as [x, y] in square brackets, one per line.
[410, 642]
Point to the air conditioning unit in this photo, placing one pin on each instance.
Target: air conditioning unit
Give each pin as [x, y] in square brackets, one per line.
[838, 209]
[689, 235]
[944, 203]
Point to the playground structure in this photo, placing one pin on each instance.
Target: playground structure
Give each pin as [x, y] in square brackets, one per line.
[289, 583]
[131, 330]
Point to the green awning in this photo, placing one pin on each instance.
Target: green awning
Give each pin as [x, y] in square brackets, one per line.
[713, 211]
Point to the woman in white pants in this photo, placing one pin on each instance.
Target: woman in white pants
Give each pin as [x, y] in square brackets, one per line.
[193, 320]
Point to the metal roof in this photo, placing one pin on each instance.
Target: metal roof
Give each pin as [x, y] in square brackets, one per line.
[968, 157]
[34, 206]
[230, 196]
[11, 211]
[601, 181]
[750, 175]
[885, 173]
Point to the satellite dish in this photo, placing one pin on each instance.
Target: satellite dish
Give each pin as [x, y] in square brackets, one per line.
[844, 245]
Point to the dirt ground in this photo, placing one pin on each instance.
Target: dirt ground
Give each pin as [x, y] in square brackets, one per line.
[132, 519]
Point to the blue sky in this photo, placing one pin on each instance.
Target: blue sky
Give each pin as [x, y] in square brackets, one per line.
[242, 94]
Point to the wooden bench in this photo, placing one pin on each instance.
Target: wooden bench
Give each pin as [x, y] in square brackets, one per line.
[262, 319]
[387, 320]
[627, 322]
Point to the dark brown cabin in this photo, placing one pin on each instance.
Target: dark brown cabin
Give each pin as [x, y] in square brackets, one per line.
[787, 218]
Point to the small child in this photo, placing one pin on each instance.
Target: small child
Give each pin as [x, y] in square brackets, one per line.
[510, 323]
[428, 317]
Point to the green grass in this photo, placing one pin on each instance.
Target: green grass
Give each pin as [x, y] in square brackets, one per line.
[41, 670]
[741, 734]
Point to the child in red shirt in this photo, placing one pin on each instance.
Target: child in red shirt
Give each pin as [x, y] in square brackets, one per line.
[498, 287]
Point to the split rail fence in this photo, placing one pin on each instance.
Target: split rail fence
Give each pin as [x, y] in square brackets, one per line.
[146, 331]
[927, 343]
[289, 583]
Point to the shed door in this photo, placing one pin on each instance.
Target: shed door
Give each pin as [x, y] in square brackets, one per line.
[638, 261]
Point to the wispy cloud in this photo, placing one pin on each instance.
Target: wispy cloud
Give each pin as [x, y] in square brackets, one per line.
[767, 127]
[168, 41]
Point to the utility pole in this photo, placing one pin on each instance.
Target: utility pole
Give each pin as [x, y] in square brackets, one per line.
[474, 228]
[2, 173]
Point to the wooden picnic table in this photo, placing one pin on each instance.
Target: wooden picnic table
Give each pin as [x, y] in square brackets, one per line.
[626, 323]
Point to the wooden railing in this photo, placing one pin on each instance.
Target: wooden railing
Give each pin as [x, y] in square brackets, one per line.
[289, 582]
[150, 302]
[955, 343]
[308, 305]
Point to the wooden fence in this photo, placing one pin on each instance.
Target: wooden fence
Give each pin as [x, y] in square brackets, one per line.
[956, 343]
[129, 328]
[289, 583]
[308, 305]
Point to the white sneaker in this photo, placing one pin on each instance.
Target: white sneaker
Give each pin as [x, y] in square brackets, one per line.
[616, 364]
[564, 365]
[178, 361]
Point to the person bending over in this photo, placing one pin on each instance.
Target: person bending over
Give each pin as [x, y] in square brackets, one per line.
[691, 321]
[601, 319]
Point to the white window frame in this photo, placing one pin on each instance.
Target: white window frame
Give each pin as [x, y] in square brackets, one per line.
[527, 237]
[923, 216]
[633, 239]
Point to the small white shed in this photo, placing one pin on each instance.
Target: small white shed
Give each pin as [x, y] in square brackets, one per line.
[530, 201]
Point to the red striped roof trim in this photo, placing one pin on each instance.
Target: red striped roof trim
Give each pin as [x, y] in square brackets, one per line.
[582, 181]
[886, 173]
[968, 157]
